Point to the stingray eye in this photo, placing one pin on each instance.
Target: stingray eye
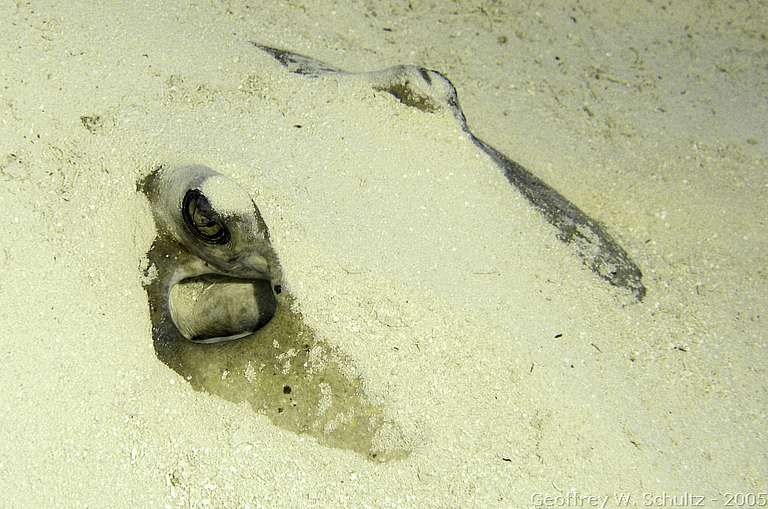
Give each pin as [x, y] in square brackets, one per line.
[202, 220]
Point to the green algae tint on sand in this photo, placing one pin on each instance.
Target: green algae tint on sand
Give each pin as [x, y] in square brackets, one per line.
[300, 382]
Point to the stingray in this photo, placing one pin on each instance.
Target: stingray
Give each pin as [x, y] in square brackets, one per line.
[224, 318]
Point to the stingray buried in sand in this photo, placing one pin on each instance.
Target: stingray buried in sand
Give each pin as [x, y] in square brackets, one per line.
[214, 277]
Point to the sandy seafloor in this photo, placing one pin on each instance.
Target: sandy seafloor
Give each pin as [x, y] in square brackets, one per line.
[405, 249]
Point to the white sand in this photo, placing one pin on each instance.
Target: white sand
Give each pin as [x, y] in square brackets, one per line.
[405, 249]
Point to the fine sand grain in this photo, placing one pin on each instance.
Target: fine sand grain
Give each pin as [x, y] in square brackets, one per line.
[511, 373]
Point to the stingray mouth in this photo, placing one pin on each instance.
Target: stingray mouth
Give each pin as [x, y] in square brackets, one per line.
[214, 308]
